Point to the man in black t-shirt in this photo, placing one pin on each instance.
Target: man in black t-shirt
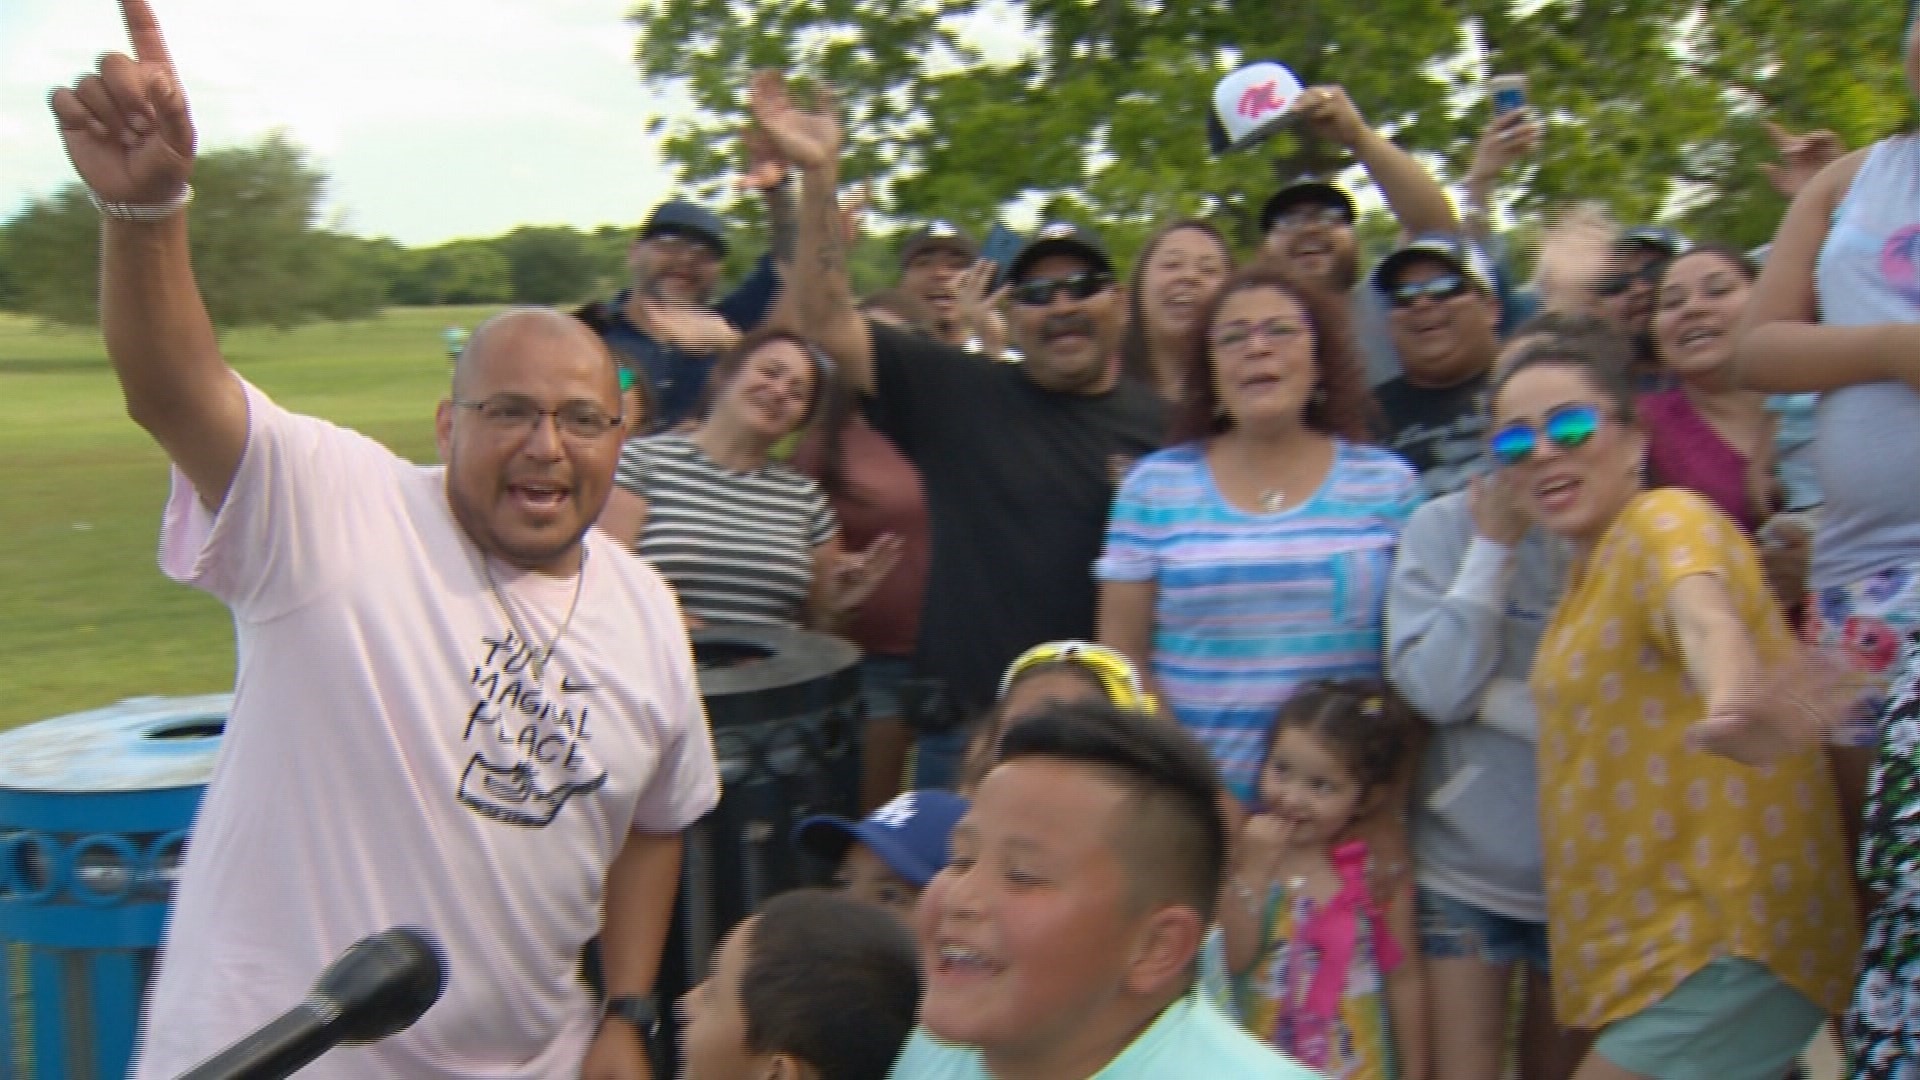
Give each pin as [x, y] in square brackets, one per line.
[1443, 316]
[1019, 460]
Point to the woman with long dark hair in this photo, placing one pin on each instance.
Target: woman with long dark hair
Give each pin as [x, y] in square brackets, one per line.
[1708, 433]
[1173, 279]
[1253, 556]
[741, 537]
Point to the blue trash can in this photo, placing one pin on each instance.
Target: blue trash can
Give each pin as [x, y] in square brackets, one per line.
[94, 812]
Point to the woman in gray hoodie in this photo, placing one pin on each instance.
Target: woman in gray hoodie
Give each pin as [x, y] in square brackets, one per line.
[1470, 595]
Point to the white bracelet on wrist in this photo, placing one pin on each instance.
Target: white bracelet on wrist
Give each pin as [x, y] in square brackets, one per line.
[147, 214]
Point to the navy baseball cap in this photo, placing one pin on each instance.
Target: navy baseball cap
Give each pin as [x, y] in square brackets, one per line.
[1060, 238]
[682, 218]
[1305, 191]
[909, 834]
[1445, 247]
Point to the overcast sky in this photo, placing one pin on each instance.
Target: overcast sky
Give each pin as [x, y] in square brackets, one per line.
[434, 118]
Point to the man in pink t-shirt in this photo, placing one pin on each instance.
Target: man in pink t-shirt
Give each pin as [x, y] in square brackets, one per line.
[456, 708]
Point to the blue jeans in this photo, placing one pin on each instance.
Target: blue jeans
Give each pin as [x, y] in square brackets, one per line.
[936, 759]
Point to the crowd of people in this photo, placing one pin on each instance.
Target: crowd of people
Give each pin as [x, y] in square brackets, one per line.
[1272, 669]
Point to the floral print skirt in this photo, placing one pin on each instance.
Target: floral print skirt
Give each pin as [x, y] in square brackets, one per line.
[1882, 1027]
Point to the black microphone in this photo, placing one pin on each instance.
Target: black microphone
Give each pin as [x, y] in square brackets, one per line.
[378, 987]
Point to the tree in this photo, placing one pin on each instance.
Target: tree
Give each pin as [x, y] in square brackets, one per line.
[1104, 111]
[355, 276]
[467, 272]
[9, 283]
[549, 265]
[53, 248]
[257, 255]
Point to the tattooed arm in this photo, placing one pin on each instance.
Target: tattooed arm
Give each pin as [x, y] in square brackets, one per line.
[784, 225]
[820, 288]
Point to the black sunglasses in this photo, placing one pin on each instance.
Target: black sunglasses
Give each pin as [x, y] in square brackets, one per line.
[1039, 292]
[1615, 284]
[1444, 287]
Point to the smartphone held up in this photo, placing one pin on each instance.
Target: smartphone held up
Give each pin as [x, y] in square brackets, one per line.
[1508, 93]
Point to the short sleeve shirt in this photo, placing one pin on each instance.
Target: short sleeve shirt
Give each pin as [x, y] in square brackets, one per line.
[1660, 858]
[737, 546]
[392, 759]
[1190, 1039]
[1250, 606]
[879, 494]
[1441, 432]
[1018, 480]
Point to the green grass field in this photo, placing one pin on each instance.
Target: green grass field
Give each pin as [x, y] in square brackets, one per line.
[86, 618]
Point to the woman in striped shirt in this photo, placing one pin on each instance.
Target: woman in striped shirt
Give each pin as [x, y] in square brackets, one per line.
[1253, 556]
[741, 537]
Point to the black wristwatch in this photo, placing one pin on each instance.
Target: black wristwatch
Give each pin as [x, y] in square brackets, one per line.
[637, 1010]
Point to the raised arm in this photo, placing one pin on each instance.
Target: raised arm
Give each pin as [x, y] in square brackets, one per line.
[1412, 193]
[1507, 138]
[130, 136]
[1783, 347]
[820, 290]
[1446, 607]
[755, 299]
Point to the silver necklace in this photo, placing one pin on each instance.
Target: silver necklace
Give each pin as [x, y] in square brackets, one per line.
[537, 659]
[1272, 499]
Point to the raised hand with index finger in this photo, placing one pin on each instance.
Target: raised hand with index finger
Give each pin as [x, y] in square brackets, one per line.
[126, 127]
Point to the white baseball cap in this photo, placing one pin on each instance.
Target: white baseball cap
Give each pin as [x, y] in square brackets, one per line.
[1251, 104]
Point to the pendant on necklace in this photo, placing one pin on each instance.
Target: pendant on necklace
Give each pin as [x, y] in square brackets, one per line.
[1272, 499]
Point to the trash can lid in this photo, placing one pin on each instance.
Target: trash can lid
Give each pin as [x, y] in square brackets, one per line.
[140, 744]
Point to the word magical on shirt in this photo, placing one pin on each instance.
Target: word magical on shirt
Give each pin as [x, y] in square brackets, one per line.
[529, 750]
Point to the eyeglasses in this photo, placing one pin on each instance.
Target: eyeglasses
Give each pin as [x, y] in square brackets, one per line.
[1039, 292]
[1442, 288]
[512, 414]
[1615, 284]
[1235, 336]
[1567, 427]
[1113, 670]
[681, 246]
[1300, 217]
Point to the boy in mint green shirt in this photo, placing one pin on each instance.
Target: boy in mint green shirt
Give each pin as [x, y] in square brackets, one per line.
[1062, 939]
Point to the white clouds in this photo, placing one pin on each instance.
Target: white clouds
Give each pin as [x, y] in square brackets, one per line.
[435, 118]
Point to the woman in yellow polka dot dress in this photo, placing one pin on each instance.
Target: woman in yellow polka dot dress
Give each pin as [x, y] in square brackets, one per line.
[1699, 913]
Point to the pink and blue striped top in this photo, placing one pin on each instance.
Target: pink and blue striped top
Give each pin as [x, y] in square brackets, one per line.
[1251, 606]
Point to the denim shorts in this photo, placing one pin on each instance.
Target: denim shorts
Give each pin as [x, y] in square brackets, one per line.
[1731, 1020]
[1452, 928]
[880, 679]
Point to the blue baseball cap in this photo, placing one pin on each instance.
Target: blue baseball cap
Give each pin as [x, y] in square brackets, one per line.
[682, 218]
[909, 834]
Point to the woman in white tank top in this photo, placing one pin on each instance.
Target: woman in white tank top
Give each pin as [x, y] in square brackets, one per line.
[1837, 311]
